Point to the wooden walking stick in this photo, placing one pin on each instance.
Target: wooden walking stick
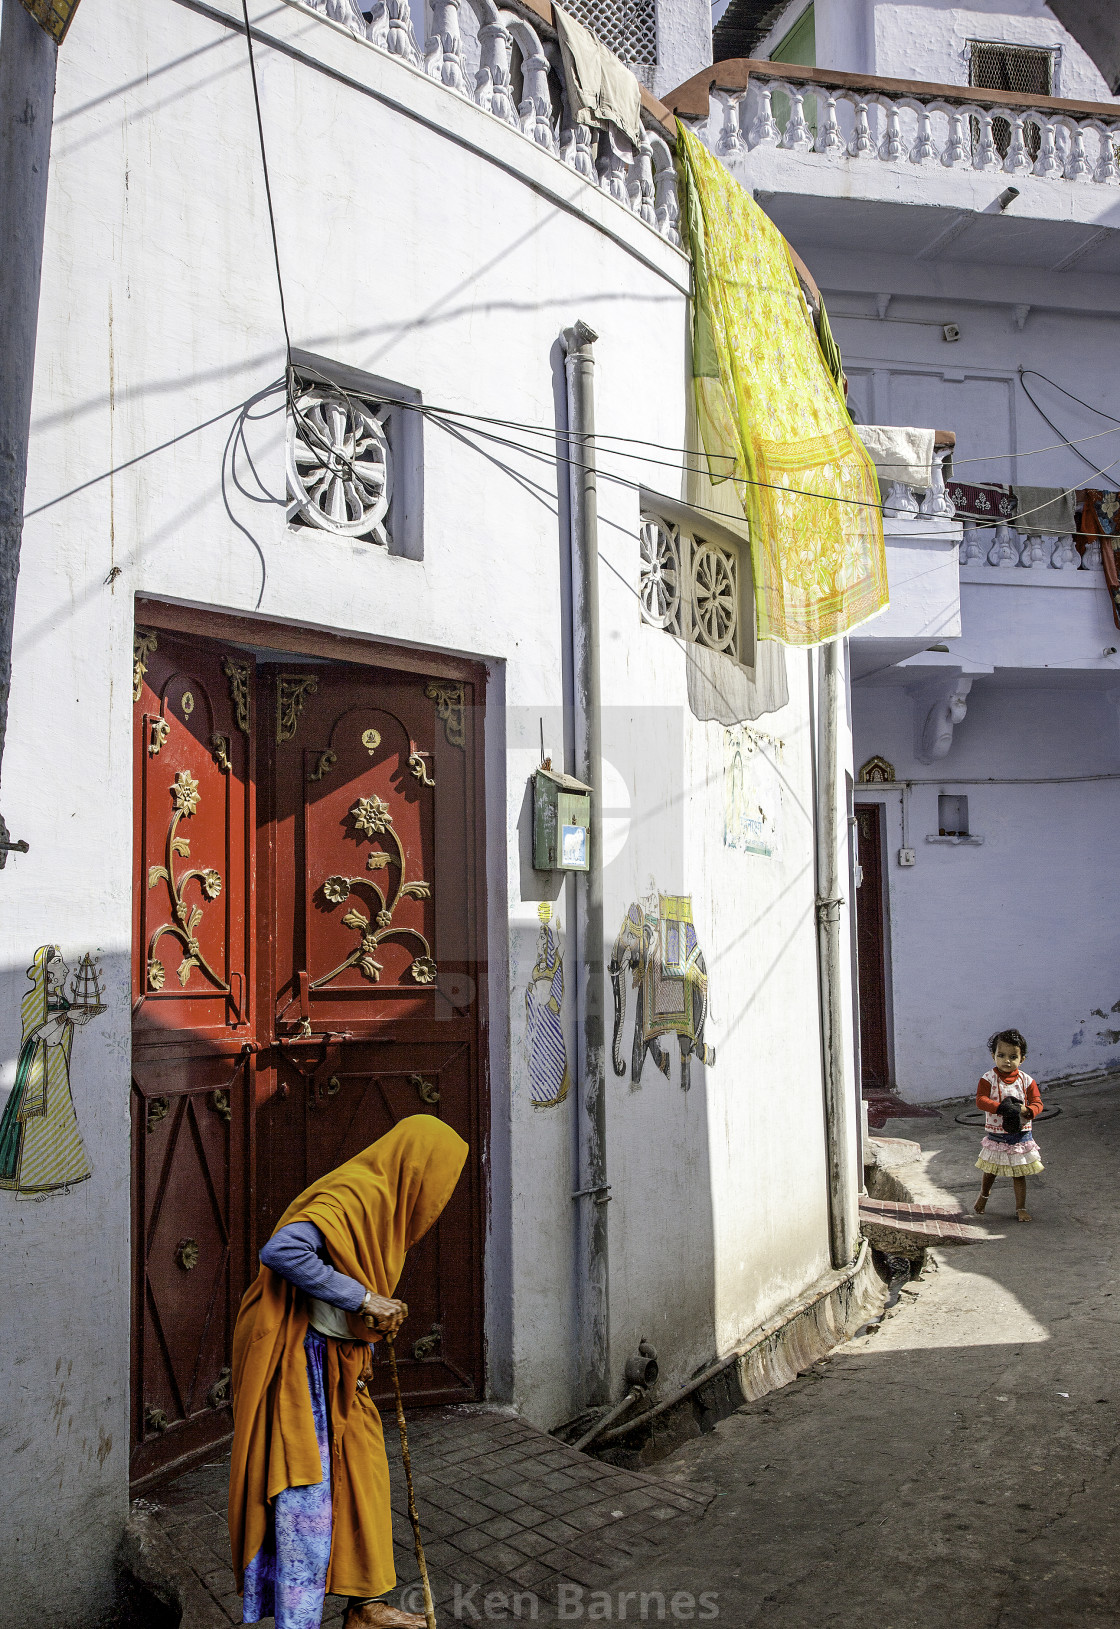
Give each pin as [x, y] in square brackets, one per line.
[429, 1608]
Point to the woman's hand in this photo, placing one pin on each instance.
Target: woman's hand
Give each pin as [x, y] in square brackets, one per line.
[386, 1316]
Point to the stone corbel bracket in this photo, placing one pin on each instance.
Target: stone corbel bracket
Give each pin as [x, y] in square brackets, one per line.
[940, 706]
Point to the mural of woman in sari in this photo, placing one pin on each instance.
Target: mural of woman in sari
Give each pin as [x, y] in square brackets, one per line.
[41, 1148]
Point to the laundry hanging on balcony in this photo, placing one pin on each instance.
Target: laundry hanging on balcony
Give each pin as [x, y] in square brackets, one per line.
[991, 502]
[1044, 511]
[600, 90]
[903, 455]
[773, 420]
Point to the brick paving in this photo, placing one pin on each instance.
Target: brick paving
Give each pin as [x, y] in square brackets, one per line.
[502, 1506]
[930, 1224]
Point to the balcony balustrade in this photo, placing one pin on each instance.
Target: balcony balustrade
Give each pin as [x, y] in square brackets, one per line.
[852, 120]
[509, 66]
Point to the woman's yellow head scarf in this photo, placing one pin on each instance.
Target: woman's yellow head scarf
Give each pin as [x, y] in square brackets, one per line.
[373, 1209]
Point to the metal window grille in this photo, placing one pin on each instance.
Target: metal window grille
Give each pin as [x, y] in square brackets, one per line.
[1023, 68]
[626, 27]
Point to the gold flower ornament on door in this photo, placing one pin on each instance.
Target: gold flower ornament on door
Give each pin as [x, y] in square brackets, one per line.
[186, 917]
[373, 818]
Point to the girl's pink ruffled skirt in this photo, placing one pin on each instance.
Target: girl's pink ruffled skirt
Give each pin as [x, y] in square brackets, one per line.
[998, 1157]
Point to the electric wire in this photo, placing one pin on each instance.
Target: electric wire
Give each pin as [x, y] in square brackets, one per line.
[336, 460]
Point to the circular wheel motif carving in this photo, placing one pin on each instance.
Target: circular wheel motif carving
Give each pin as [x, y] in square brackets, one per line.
[714, 598]
[340, 471]
[661, 575]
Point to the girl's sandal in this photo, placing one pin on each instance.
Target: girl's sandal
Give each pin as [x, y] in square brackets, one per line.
[981, 1204]
[1024, 1215]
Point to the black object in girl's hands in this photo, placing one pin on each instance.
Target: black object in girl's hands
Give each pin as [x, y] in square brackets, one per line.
[1012, 1116]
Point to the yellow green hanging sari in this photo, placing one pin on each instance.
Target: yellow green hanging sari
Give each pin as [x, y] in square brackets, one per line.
[773, 420]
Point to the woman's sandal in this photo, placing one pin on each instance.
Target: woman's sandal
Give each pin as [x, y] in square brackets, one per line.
[1024, 1215]
[981, 1204]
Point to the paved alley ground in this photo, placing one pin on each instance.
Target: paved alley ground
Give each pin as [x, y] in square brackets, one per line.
[958, 1469]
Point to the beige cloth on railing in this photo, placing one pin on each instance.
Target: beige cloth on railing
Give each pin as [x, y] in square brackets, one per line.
[600, 89]
[1044, 511]
[899, 454]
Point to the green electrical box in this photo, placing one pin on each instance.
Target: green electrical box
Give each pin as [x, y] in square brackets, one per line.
[561, 821]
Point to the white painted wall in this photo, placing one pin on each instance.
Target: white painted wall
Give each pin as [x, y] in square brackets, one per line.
[420, 241]
[1018, 931]
[929, 40]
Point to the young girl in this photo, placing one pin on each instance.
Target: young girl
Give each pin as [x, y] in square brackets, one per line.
[1004, 1151]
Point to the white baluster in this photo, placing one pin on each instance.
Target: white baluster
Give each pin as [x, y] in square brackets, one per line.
[391, 30]
[346, 13]
[798, 137]
[764, 132]
[730, 143]
[1034, 553]
[923, 149]
[1005, 549]
[956, 155]
[443, 59]
[829, 139]
[1065, 557]
[1018, 160]
[1048, 164]
[534, 111]
[971, 548]
[1078, 168]
[640, 184]
[493, 90]
[1106, 171]
[1091, 559]
[891, 148]
[616, 154]
[665, 191]
[578, 151]
[985, 155]
[900, 503]
[861, 144]
[937, 504]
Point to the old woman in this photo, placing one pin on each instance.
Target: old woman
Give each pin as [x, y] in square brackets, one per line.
[309, 1480]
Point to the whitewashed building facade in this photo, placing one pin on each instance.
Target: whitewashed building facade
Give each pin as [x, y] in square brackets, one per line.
[284, 667]
[967, 243]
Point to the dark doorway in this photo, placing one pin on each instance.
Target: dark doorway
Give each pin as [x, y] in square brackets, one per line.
[307, 970]
[870, 937]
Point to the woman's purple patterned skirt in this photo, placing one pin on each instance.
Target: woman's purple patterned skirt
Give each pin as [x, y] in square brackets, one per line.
[287, 1578]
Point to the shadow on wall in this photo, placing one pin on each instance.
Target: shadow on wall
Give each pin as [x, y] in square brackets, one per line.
[659, 1047]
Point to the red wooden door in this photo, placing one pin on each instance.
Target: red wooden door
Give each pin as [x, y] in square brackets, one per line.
[870, 938]
[374, 982]
[306, 972]
[191, 1092]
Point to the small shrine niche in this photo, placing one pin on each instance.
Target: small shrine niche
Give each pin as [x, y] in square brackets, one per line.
[876, 772]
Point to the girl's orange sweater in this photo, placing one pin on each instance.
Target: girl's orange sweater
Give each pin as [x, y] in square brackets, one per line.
[990, 1104]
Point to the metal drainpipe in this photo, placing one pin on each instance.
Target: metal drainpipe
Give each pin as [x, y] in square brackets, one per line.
[843, 1237]
[592, 1192]
[28, 57]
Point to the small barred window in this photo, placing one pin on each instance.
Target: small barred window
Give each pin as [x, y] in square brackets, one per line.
[695, 588]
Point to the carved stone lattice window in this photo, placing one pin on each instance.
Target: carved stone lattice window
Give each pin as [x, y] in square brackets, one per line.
[626, 27]
[695, 588]
[340, 463]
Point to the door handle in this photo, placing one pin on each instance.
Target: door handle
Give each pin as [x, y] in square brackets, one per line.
[299, 1043]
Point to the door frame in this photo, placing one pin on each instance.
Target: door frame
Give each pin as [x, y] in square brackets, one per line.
[861, 803]
[291, 638]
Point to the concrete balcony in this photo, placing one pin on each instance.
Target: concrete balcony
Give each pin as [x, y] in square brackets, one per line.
[914, 169]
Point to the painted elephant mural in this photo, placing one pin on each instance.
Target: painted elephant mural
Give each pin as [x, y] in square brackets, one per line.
[671, 980]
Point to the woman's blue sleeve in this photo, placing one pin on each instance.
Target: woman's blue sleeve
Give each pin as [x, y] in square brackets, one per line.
[298, 1253]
